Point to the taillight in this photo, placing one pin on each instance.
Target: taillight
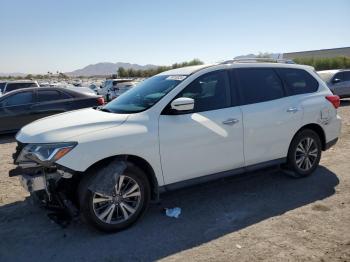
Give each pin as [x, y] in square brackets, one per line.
[335, 100]
[101, 101]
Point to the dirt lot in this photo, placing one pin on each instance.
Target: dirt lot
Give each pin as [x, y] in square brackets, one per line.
[257, 216]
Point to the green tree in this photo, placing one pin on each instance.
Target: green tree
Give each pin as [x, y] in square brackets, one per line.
[121, 72]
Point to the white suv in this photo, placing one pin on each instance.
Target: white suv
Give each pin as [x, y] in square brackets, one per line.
[175, 129]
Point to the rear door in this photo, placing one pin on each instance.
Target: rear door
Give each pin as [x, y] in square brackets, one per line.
[15, 111]
[270, 116]
[50, 102]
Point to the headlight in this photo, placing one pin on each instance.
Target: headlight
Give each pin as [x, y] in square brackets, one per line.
[45, 153]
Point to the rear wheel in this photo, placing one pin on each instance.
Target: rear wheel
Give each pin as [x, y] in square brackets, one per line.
[122, 207]
[304, 153]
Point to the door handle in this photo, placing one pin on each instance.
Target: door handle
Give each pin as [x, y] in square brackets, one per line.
[230, 121]
[292, 110]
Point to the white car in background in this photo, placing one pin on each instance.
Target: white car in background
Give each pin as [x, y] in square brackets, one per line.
[110, 87]
[94, 87]
[120, 89]
[18, 84]
[178, 128]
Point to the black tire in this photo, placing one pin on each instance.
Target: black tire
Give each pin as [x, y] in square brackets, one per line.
[295, 164]
[86, 197]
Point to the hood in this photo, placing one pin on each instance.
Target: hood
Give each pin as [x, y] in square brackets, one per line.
[64, 127]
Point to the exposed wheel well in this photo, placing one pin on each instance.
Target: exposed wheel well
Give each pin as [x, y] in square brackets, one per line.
[138, 161]
[319, 130]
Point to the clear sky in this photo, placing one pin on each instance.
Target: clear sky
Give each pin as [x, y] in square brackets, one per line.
[41, 35]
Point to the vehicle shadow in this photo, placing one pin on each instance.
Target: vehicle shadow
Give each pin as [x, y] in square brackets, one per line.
[209, 211]
[7, 138]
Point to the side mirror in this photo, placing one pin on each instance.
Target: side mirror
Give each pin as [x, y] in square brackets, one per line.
[336, 80]
[182, 104]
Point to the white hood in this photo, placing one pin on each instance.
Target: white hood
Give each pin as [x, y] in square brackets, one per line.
[64, 127]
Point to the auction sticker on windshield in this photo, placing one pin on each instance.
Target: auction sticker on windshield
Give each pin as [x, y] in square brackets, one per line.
[179, 78]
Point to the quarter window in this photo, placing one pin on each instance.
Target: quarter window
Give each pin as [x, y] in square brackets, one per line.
[209, 91]
[298, 81]
[259, 85]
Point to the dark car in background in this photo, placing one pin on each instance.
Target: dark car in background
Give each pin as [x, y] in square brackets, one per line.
[2, 86]
[338, 81]
[20, 107]
[14, 85]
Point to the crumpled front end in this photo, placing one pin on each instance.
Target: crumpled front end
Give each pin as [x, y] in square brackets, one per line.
[53, 185]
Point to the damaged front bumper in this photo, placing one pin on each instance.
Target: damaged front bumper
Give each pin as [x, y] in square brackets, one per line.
[39, 178]
[33, 183]
[52, 187]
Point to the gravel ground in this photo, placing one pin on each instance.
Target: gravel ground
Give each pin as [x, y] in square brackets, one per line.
[262, 215]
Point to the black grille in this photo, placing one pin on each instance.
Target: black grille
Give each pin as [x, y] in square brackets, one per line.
[19, 148]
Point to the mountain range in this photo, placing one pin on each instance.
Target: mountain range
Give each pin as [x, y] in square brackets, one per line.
[99, 69]
[12, 74]
[106, 68]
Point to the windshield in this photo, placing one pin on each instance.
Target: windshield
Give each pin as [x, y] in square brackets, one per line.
[2, 85]
[144, 95]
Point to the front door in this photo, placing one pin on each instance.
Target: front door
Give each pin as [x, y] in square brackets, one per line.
[15, 111]
[207, 140]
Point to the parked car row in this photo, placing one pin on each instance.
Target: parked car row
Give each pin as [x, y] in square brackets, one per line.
[23, 106]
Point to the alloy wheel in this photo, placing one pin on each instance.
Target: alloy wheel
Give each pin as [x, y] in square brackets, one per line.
[121, 204]
[306, 154]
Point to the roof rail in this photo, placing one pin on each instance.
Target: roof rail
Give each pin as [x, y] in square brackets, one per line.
[258, 60]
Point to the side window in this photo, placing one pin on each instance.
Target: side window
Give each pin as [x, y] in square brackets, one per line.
[298, 81]
[49, 95]
[209, 91]
[338, 76]
[259, 85]
[18, 99]
[346, 76]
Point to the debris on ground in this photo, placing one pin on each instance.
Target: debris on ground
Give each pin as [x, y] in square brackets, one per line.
[173, 212]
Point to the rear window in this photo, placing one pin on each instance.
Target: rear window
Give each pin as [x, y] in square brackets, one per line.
[50, 95]
[15, 86]
[298, 81]
[259, 85]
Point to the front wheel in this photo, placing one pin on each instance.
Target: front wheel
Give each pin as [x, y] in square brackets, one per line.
[304, 153]
[120, 208]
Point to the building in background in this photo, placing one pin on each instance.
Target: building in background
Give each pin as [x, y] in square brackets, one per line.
[322, 53]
